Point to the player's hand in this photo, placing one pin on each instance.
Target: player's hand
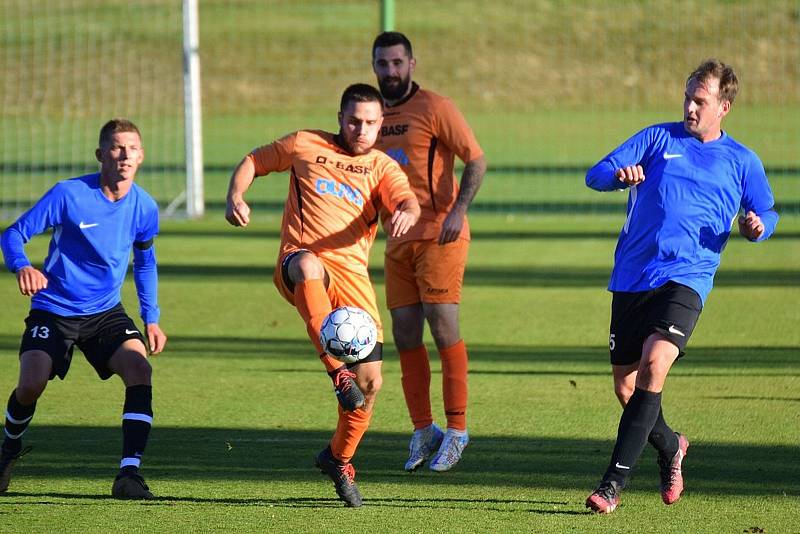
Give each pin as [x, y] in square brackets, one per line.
[750, 226]
[630, 175]
[31, 280]
[404, 217]
[156, 339]
[237, 212]
[453, 223]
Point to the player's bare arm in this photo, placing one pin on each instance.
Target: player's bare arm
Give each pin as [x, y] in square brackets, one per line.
[630, 175]
[471, 180]
[31, 280]
[156, 339]
[750, 226]
[405, 216]
[237, 212]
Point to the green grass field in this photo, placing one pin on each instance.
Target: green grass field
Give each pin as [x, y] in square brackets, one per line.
[242, 404]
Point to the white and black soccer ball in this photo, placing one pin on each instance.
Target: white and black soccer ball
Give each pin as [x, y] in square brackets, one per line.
[348, 334]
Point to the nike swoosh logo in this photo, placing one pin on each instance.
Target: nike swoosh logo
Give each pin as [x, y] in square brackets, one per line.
[667, 155]
[620, 466]
[673, 330]
[83, 225]
[131, 331]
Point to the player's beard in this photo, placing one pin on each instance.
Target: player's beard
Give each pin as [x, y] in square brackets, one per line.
[394, 91]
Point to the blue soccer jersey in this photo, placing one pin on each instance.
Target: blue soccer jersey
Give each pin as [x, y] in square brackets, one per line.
[679, 219]
[90, 248]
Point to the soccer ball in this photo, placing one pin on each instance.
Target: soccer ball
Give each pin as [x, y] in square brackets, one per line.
[348, 334]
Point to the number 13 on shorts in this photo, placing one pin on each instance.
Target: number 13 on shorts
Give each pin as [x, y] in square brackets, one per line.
[42, 332]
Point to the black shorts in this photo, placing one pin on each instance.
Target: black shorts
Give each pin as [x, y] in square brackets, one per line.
[98, 336]
[671, 310]
[375, 356]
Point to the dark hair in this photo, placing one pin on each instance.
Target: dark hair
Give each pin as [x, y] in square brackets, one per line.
[391, 39]
[115, 126]
[360, 92]
[714, 68]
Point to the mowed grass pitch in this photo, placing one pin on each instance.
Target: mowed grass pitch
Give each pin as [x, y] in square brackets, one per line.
[242, 405]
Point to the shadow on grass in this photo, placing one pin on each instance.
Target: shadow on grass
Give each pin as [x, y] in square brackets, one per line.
[493, 505]
[517, 276]
[295, 355]
[221, 456]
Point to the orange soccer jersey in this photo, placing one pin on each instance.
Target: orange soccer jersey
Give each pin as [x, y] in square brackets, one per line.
[423, 133]
[334, 197]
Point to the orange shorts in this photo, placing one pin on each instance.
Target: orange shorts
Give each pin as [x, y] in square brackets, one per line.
[424, 271]
[344, 288]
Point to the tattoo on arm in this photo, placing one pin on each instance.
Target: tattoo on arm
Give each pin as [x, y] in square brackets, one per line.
[471, 180]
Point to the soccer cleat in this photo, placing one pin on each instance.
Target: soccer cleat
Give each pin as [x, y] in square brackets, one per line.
[7, 461]
[130, 486]
[347, 391]
[671, 475]
[424, 443]
[453, 444]
[604, 499]
[343, 475]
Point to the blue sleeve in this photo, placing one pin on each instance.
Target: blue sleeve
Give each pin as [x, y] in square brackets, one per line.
[631, 152]
[145, 276]
[757, 196]
[46, 213]
[145, 269]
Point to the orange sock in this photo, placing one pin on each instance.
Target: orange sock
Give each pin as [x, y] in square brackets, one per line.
[349, 431]
[313, 303]
[454, 384]
[416, 379]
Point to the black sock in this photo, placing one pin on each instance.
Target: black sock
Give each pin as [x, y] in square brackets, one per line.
[637, 421]
[137, 417]
[663, 438]
[18, 417]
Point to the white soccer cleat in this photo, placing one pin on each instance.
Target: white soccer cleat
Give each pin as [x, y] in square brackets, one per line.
[453, 444]
[424, 442]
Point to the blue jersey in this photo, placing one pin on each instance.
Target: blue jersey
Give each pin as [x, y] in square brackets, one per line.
[680, 217]
[90, 248]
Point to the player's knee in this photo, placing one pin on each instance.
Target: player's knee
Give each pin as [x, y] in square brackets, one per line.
[652, 374]
[407, 332]
[444, 334]
[144, 370]
[406, 339]
[305, 266]
[372, 385]
[30, 389]
[136, 371]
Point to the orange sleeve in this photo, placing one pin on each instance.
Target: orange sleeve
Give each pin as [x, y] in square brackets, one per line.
[276, 156]
[453, 130]
[393, 186]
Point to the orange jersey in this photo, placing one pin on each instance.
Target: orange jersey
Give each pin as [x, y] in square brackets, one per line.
[334, 197]
[423, 133]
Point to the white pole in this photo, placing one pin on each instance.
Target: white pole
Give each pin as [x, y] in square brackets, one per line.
[193, 134]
